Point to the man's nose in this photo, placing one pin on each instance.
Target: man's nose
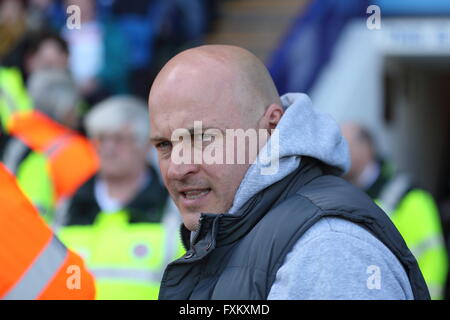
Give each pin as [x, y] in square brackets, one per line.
[106, 146]
[181, 171]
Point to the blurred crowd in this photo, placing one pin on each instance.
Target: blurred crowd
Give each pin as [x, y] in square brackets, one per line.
[117, 47]
[74, 126]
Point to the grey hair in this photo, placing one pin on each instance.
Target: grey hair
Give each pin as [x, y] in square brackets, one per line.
[53, 92]
[112, 114]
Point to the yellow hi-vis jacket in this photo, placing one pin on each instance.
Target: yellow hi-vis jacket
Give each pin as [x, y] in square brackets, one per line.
[61, 159]
[416, 216]
[126, 259]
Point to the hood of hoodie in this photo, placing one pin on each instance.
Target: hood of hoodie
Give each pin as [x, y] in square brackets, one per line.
[301, 131]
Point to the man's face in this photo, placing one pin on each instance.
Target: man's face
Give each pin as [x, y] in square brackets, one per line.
[196, 188]
[49, 56]
[120, 154]
[360, 152]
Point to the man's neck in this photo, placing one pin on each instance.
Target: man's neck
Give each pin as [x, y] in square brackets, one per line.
[125, 188]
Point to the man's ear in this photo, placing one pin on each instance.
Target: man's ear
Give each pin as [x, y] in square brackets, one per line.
[272, 116]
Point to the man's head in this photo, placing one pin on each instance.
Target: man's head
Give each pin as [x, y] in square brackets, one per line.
[45, 50]
[362, 149]
[12, 10]
[119, 129]
[224, 87]
[54, 92]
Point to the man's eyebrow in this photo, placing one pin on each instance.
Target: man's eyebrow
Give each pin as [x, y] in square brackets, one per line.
[155, 139]
[192, 130]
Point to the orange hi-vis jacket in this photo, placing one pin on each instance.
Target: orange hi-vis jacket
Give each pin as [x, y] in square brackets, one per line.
[34, 264]
[72, 158]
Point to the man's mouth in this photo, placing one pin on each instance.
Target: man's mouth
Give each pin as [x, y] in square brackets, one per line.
[195, 194]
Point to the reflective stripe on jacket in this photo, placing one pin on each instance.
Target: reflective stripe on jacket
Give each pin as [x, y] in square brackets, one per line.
[127, 259]
[72, 158]
[34, 264]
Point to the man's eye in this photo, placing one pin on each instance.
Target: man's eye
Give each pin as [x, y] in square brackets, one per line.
[207, 137]
[204, 137]
[163, 145]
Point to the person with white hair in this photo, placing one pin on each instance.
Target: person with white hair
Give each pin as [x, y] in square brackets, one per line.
[50, 159]
[121, 219]
[54, 93]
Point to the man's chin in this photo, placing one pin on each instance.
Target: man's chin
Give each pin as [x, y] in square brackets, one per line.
[191, 220]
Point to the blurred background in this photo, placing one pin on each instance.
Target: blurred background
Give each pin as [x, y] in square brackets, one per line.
[381, 68]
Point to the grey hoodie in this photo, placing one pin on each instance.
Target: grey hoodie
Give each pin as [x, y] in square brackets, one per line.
[335, 258]
[302, 131]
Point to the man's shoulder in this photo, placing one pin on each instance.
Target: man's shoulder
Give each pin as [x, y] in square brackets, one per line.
[334, 259]
[329, 192]
[322, 197]
[339, 231]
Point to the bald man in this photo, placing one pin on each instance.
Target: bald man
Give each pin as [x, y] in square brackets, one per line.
[296, 232]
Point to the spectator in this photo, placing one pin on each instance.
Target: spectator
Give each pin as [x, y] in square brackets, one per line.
[46, 14]
[98, 57]
[43, 149]
[13, 24]
[122, 209]
[54, 93]
[412, 209]
[46, 50]
[141, 22]
[119, 132]
[39, 51]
